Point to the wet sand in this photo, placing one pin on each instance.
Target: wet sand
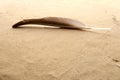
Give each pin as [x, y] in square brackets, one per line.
[38, 53]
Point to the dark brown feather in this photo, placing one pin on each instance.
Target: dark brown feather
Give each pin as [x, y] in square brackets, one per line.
[58, 22]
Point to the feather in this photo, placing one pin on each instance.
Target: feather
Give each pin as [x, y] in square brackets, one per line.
[57, 22]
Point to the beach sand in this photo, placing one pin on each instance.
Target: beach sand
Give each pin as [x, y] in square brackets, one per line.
[39, 53]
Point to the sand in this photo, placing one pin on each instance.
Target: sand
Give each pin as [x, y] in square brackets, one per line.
[38, 53]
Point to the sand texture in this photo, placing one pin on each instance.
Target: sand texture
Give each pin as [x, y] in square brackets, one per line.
[38, 53]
